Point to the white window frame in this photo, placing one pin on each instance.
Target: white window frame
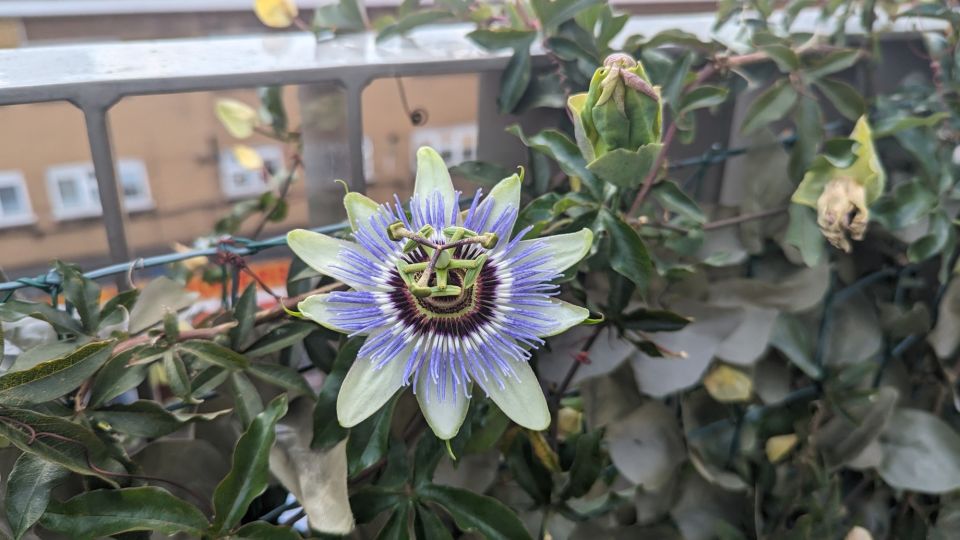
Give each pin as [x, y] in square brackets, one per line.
[448, 139]
[229, 167]
[82, 174]
[15, 180]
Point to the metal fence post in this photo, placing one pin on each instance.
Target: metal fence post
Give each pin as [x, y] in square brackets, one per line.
[111, 194]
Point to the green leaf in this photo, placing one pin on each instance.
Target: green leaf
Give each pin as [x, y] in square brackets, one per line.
[669, 194]
[342, 17]
[177, 377]
[280, 338]
[145, 418]
[13, 310]
[397, 527]
[561, 149]
[117, 375]
[769, 106]
[249, 471]
[410, 21]
[54, 378]
[909, 202]
[804, 234]
[921, 453]
[628, 255]
[245, 312]
[282, 376]
[28, 491]
[701, 97]
[480, 172]
[327, 430]
[624, 168]
[939, 232]
[156, 299]
[55, 439]
[272, 111]
[108, 512]
[368, 442]
[246, 398]
[516, 77]
[261, 530]
[653, 320]
[894, 125]
[844, 97]
[428, 526]
[473, 512]
[82, 293]
[370, 501]
[783, 56]
[587, 465]
[832, 63]
[502, 38]
[217, 355]
[554, 12]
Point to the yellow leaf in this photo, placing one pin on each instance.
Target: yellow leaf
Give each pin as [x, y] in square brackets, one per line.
[569, 422]
[247, 157]
[727, 384]
[541, 449]
[779, 446]
[275, 13]
[192, 263]
[237, 117]
[858, 533]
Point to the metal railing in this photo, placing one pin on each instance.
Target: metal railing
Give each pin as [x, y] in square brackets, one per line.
[94, 77]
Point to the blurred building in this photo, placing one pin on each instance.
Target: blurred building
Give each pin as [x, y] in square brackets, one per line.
[174, 159]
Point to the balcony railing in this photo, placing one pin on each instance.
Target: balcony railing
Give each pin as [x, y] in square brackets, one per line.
[94, 77]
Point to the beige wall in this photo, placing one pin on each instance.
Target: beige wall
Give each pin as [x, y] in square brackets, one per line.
[178, 139]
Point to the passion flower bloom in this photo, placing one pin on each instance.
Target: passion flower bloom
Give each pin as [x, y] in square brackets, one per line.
[448, 300]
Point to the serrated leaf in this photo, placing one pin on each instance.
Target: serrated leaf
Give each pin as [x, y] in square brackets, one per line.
[249, 471]
[54, 378]
[107, 512]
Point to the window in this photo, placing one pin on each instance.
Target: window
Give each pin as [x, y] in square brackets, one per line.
[74, 192]
[455, 144]
[14, 202]
[238, 182]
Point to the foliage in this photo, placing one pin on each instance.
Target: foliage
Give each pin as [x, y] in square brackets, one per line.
[746, 380]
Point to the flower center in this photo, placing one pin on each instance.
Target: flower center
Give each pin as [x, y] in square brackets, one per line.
[444, 285]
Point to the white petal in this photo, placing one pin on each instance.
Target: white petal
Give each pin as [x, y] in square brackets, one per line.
[504, 196]
[365, 388]
[444, 416]
[521, 398]
[562, 315]
[433, 177]
[317, 309]
[322, 253]
[563, 250]
[360, 209]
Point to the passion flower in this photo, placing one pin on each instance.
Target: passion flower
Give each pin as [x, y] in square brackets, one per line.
[448, 300]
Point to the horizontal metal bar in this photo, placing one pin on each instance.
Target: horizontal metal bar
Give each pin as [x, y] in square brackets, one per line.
[243, 248]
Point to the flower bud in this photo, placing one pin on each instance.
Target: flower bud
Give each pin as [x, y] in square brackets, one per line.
[620, 110]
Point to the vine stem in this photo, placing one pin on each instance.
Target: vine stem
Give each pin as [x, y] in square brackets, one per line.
[718, 65]
[263, 316]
